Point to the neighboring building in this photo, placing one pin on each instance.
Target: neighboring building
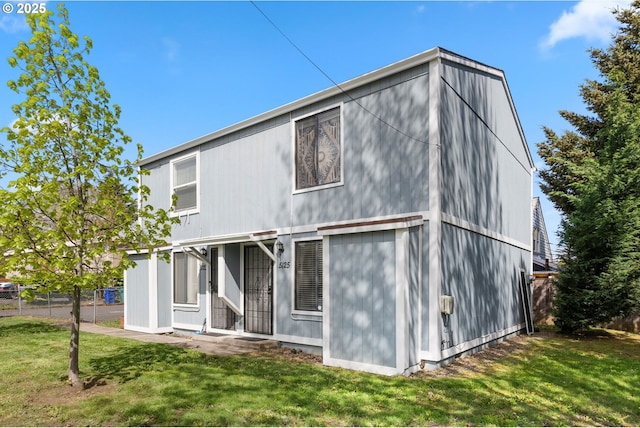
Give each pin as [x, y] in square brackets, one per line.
[544, 268]
[542, 257]
[385, 223]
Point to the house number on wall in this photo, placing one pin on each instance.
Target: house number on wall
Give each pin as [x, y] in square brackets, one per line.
[284, 265]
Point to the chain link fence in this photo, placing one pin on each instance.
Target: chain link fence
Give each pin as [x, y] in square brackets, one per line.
[56, 305]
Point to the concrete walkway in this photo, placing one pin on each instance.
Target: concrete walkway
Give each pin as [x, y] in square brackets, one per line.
[214, 345]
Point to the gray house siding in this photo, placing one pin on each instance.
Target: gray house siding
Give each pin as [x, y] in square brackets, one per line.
[164, 294]
[486, 290]
[385, 170]
[363, 298]
[287, 321]
[486, 173]
[148, 305]
[137, 292]
[433, 198]
[425, 285]
[486, 186]
[385, 173]
[415, 267]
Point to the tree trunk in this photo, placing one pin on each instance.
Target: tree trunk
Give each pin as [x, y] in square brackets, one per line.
[74, 367]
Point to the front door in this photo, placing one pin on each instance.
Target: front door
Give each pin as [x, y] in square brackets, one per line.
[258, 291]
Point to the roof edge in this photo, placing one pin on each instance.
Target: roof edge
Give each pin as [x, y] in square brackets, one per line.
[372, 76]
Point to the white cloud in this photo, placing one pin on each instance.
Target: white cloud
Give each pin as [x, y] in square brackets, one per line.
[12, 24]
[591, 19]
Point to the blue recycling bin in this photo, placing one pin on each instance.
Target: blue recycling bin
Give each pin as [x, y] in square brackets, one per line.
[109, 296]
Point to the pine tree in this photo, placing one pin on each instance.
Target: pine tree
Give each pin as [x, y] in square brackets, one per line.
[593, 178]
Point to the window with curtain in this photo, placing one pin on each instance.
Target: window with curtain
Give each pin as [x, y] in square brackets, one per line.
[308, 274]
[318, 150]
[185, 279]
[185, 182]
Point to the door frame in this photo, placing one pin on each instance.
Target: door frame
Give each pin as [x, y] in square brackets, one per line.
[260, 246]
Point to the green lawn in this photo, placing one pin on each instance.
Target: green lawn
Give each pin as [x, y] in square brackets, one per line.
[544, 380]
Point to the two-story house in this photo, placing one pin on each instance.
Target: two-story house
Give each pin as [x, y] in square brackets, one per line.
[384, 222]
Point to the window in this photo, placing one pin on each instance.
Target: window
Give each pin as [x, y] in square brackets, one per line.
[185, 279]
[318, 152]
[536, 240]
[308, 276]
[184, 183]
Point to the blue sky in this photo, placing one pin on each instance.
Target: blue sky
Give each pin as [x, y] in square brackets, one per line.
[180, 70]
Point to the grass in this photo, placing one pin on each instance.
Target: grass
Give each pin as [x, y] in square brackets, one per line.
[544, 380]
[110, 323]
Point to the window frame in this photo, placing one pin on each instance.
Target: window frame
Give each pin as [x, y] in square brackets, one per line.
[294, 289]
[536, 240]
[196, 265]
[294, 157]
[192, 209]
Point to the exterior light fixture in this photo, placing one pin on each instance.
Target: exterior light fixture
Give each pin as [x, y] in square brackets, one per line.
[280, 247]
[203, 251]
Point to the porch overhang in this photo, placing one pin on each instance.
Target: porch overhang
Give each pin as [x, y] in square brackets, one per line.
[341, 228]
[191, 245]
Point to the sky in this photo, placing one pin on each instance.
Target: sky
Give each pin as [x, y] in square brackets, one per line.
[180, 70]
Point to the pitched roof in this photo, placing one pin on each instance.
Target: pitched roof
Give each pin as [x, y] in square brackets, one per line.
[405, 64]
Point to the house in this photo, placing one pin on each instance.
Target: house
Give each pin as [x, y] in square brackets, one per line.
[544, 267]
[542, 256]
[384, 223]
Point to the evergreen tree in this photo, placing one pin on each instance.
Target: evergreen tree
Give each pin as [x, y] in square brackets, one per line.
[593, 178]
[70, 210]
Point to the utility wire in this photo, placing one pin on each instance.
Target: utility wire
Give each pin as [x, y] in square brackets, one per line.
[292, 43]
[477, 115]
[333, 81]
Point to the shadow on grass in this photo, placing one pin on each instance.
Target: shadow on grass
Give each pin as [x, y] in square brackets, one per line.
[550, 381]
[27, 328]
[140, 358]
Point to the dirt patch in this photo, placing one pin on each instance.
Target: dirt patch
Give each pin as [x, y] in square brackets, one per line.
[66, 394]
[466, 365]
[481, 361]
[295, 355]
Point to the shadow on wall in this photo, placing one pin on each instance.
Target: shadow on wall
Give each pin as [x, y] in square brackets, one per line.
[479, 180]
[385, 172]
[483, 276]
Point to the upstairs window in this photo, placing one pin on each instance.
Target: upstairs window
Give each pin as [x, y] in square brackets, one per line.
[184, 183]
[318, 150]
[308, 272]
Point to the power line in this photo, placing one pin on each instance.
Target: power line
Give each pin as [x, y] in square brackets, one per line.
[292, 43]
[477, 115]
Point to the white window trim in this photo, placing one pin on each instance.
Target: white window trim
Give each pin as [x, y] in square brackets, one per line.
[190, 306]
[294, 311]
[188, 211]
[293, 149]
